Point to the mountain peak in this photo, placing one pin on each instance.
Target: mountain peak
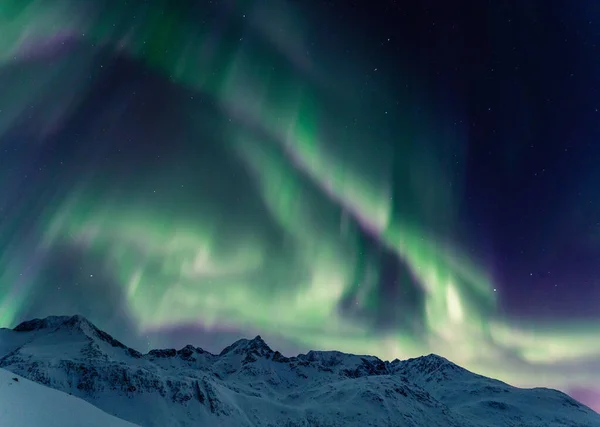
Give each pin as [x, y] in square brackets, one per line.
[435, 358]
[73, 323]
[53, 322]
[258, 341]
[256, 346]
[431, 366]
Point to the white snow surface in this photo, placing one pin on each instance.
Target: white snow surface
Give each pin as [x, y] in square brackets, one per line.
[24, 403]
[248, 384]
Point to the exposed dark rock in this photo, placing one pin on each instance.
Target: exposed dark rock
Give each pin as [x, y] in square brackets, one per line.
[170, 352]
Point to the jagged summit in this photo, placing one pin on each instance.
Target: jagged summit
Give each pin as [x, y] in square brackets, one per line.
[53, 322]
[432, 360]
[432, 365]
[73, 323]
[255, 346]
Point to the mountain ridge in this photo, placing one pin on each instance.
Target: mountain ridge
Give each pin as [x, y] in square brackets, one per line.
[250, 384]
[255, 346]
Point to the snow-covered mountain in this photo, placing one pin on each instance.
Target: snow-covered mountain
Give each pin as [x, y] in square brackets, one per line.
[24, 403]
[248, 384]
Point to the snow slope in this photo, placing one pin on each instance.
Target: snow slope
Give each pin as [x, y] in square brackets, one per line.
[248, 384]
[24, 403]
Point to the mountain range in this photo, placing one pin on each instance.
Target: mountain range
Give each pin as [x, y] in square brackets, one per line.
[249, 384]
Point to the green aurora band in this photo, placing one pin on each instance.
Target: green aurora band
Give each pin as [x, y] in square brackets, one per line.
[179, 267]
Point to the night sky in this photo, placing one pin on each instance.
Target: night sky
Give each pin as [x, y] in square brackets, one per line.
[393, 178]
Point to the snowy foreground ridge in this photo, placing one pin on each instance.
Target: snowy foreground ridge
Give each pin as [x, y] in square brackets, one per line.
[24, 403]
[248, 384]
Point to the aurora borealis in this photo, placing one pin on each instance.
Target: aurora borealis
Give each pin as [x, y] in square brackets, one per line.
[420, 183]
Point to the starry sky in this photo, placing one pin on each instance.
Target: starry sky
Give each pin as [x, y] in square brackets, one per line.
[393, 178]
